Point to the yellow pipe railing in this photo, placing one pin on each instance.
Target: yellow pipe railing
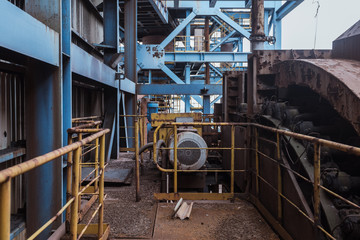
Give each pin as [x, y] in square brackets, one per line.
[73, 195]
[313, 217]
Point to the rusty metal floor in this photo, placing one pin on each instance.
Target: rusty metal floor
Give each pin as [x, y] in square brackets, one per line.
[149, 219]
[209, 220]
[113, 175]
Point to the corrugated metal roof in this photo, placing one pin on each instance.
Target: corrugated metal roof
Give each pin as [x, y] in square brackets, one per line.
[352, 31]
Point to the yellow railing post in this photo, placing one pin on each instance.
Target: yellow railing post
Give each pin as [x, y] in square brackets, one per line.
[5, 206]
[257, 160]
[279, 185]
[175, 160]
[317, 183]
[96, 161]
[101, 186]
[68, 180]
[137, 165]
[75, 193]
[232, 157]
[80, 137]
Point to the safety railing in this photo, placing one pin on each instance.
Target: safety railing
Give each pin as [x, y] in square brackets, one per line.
[313, 179]
[74, 190]
[189, 43]
[211, 196]
[313, 216]
[130, 131]
[84, 120]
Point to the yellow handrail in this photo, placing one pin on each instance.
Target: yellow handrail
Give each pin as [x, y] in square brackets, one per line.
[7, 174]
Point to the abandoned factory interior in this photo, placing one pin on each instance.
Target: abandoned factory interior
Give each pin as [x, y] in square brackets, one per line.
[180, 119]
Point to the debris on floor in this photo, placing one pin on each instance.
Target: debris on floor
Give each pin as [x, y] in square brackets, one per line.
[182, 210]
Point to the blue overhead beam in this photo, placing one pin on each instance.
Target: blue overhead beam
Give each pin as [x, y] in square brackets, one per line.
[233, 24]
[171, 75]
[221, 4]
[90, 67]
[177, 89]
[223, 40]
[127, 86]
[177, 30]
[201, 57]
[216, 99]
[22, 33]
[286, 8]
[160, 9]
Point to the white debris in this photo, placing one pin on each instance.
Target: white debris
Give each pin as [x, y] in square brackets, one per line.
[182, 210]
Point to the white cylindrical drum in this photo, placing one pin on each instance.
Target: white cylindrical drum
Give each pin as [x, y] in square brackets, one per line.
[189, 159]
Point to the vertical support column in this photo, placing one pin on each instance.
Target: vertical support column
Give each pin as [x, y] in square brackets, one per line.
[257, 22]
[187, 67]
[175, 160]
[277, 26]
[67, 83]
[44, 123]
[130, 62]
[232, 157]
[5, 207]
[75, 194]
[137, 164]
[206, 98]
[68, 180]
[317, 149]
[279, 182]
[111, 38]
[257, 161]
[101, 186]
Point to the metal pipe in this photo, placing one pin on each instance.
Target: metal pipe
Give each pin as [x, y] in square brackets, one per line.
[85, 118]
[68, 179]
[65, 207]
[80, 137]
[137, 165]
[75, 195]
[257, 161]
[175, 159]
[101, 186]
[89, 222]
[257, 25]
[232, 158]
[317, 149]
[88, 125]
[279, 183]
[24, 167]
[5, 206]
[96, 161]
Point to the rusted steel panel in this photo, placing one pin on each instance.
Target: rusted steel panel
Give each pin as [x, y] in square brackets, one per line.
[348, 48]
[335, 80]
[266, 59]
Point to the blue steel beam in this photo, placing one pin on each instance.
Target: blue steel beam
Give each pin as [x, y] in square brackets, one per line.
[222, 4]
[201, 57]
[22, 33]
[217, 71]
[216, 99]
[233, 24]
[223, 40]
[171, 75]
[286, 8]
[90, 67]
[161, 10]
[177, 30]
[127, 86]
[176, 89]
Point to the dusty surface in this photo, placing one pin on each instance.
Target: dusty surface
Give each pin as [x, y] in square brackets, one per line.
[127, 218]
[136, 220]
[224, 220]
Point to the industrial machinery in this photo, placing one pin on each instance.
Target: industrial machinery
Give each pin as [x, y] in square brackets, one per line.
[311, 92]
